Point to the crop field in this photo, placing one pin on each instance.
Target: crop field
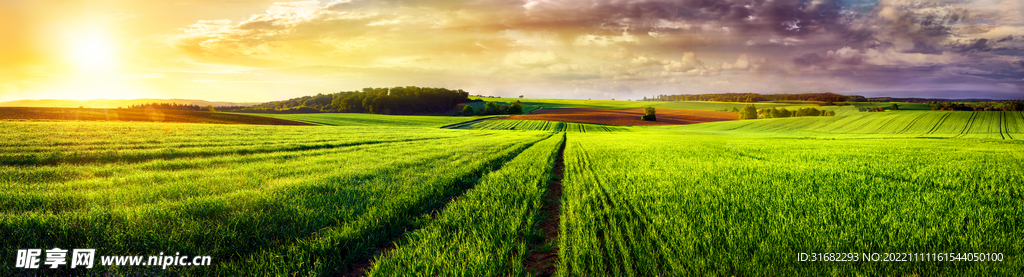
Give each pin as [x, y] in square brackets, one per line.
[987, 125]
[135, 115]
[386, 195]
[626, 117]
[475, 235]
[260, 199]
[360, 119]
[728, 206]
[541, 125]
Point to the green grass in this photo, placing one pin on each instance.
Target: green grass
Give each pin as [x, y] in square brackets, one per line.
[402, 197]
[931, 124]
[542, 125]
[360, 119]
[477, 235]
[258, 199]
[699, 205]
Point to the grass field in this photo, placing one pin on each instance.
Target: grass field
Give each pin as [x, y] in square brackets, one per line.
[945, 124]
[728, 206]
[476, 235]
[259, 199]
[398, 196]
[542, 125]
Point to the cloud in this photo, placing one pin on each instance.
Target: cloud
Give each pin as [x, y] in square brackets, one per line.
[649, 44]
[531, 58]
[688, 62]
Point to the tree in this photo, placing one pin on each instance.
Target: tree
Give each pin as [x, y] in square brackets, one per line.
[520, 97]
[748, 112]
[491, 108]
[468, 110]
[209, 108]
[735, 110]
[515, 108]
[648, 114]
[1016, 106]
[894, 107]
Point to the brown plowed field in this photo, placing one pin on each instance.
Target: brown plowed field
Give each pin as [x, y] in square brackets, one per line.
[629, 117]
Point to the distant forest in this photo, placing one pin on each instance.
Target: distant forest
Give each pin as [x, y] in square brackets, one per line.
[172, 106]
[754, 97]
[396, 101]
[816, 97]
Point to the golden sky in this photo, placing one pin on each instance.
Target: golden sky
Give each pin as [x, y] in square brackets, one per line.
[250, 50]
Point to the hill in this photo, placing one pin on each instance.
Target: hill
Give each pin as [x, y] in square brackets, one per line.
[114, 103]
[991, 125]
[145, 115]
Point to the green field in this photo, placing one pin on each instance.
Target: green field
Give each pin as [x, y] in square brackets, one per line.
[258, 199]
[541, 125]
[732, 206]
[398, 196]
[927, 124]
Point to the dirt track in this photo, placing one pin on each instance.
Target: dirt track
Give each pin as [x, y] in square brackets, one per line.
[629, 117]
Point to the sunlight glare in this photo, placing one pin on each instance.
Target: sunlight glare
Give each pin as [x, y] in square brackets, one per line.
[93, 51]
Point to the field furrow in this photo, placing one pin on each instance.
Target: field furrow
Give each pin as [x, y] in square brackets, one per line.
[475, 234]
[263, 212]
[723, 213]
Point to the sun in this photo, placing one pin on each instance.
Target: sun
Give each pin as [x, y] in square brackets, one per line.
[92, 51]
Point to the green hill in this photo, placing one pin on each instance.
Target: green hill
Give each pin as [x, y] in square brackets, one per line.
[990, 125]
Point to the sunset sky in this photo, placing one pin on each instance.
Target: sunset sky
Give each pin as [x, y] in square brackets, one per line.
[253, 50]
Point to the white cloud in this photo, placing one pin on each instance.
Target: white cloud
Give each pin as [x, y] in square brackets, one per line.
[594, 40]
[688, 62]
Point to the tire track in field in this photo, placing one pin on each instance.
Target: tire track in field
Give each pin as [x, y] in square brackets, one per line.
[887, 123]
[541, 261]
[939, 124]
[867, 122]
[912, 123]
[1002, 122]
[357, 262]
[970, 123]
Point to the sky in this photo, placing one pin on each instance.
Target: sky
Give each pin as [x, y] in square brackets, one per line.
[254, 50]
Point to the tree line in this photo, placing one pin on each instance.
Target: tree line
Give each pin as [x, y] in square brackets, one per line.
[751, 112]
[1015, 105]
[754, 97]
[491, 108]
[827, 97]
[173, 106]
[397, 100]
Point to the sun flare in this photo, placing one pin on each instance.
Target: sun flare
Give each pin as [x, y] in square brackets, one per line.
[93, 51]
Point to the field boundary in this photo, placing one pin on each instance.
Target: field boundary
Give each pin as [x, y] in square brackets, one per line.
[543, 257]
